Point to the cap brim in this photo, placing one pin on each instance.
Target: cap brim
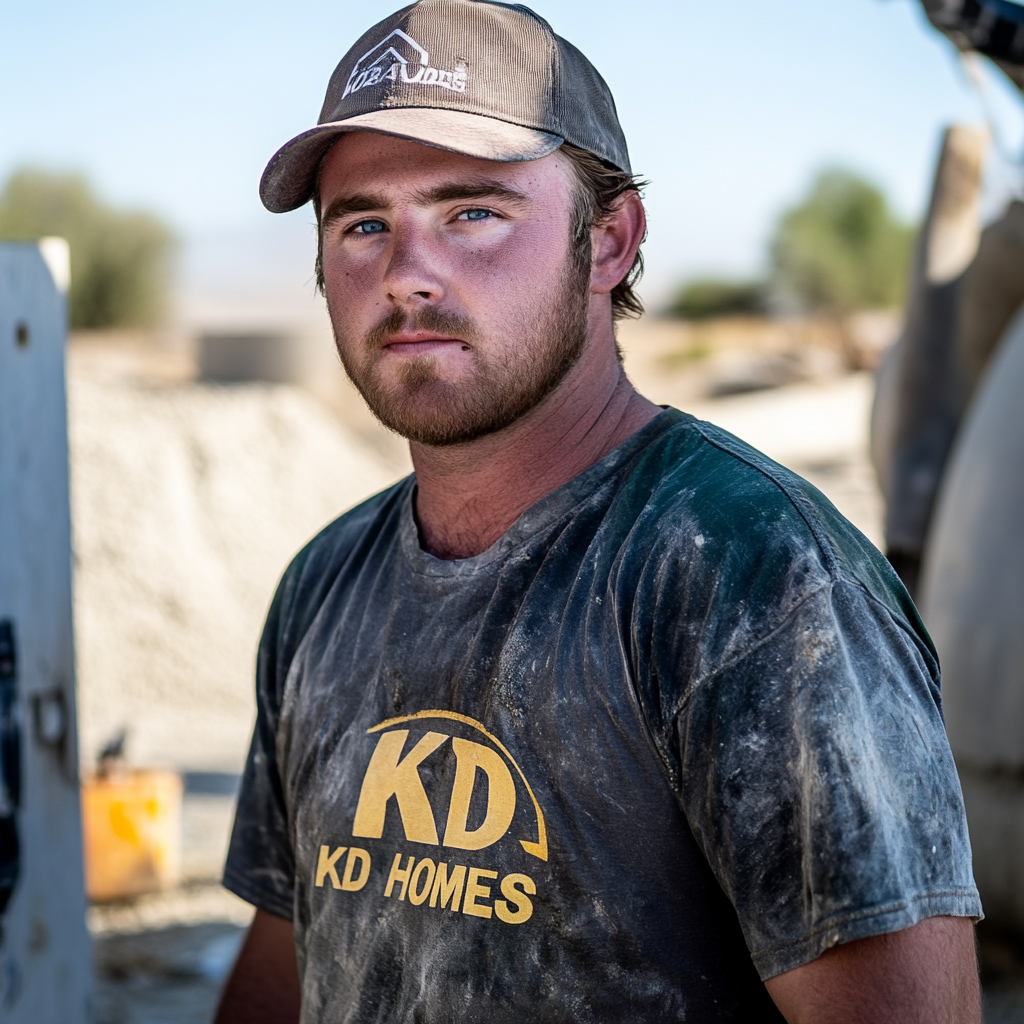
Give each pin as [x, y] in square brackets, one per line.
[287, 182]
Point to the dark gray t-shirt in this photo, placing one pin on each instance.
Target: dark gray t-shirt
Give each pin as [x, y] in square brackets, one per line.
[677, 731]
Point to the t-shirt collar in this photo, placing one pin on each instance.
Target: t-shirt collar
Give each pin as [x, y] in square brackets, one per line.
[539, 517]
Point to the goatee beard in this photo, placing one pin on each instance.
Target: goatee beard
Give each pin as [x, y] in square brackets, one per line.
[423, 407]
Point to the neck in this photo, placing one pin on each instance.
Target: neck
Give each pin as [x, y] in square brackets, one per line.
[468, 495]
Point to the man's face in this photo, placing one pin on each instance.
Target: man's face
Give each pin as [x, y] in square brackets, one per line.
[457, 301]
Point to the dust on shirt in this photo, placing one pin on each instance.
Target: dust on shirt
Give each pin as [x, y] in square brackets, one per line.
[676, 732]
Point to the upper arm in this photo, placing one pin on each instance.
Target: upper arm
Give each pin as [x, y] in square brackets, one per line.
[819, 783]
[263, 987]
[260, 863]
[926, 974]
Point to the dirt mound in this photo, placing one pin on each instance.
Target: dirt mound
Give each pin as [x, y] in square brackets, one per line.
[188, 501]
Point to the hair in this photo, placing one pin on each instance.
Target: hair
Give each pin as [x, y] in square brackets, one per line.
[599, 188]
[596, 198]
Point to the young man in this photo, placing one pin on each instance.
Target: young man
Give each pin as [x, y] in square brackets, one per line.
[601, 715]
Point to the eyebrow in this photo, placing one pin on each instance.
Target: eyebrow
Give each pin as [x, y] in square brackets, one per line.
[485, 188]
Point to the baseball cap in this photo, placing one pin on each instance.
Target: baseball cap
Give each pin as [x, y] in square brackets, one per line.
[484, 79]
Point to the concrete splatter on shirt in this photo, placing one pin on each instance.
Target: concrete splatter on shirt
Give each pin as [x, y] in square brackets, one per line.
[677, 731]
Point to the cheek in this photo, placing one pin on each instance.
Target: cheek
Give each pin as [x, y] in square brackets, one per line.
[342, 273]
[352, 310]
[352, 290]
[524, 263]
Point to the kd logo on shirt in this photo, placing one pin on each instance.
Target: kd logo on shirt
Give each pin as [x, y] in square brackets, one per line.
[390, 774]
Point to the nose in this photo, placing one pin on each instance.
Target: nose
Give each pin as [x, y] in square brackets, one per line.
[413, 275]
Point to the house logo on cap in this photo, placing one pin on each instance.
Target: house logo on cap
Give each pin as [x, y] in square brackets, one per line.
[399, 58]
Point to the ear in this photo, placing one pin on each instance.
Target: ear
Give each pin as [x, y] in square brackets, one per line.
[615, 242]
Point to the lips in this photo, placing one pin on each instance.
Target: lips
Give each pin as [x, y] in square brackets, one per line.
[420, 342]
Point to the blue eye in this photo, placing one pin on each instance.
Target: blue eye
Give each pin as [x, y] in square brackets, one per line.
[476, 214]
[370, 227]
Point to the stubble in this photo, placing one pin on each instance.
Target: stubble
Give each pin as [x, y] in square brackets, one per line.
[419, 404]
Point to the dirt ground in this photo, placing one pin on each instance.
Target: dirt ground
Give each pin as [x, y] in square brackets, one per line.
[163, 958]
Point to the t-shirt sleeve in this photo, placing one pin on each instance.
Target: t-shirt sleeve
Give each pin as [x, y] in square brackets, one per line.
[260, 864]
[261, 854]
[816, 776]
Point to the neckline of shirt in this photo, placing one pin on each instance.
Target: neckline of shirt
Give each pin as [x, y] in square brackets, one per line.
[539, 516]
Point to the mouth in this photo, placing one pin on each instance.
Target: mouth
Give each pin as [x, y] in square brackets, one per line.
[414, 343]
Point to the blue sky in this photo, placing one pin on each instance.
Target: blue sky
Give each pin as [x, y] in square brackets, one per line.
[729, 106]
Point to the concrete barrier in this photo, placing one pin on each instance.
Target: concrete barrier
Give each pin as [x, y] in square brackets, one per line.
[233, 357]
[919, 406]
[45, 969]
[973, 604]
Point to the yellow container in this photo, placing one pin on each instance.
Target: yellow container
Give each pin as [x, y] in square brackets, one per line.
[132, 831]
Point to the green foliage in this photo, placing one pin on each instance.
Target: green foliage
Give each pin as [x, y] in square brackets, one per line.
[842, 248]
[711, 297]
[120, 259]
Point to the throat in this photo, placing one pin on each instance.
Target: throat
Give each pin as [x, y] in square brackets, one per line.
[469, 495]
[460, 541]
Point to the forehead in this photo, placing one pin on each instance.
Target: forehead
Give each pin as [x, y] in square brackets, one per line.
[368, 162]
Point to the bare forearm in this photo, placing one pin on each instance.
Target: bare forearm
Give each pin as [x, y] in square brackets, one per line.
[263, 987]
[927, 974]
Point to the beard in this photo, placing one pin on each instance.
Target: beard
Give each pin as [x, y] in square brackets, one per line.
[546, 340]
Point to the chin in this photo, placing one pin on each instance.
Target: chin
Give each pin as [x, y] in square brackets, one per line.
[435, 416]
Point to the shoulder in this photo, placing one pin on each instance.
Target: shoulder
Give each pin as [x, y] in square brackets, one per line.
[729, 544]
[314, 569]
[721, 499]
[335, 543]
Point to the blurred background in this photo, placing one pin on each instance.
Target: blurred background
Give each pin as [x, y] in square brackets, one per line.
[793, 158]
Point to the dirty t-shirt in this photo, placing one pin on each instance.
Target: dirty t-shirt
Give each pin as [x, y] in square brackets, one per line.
[677, 731]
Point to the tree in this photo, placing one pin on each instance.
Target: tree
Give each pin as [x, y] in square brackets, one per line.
[709, 297]
[120, 259]
[841, 249]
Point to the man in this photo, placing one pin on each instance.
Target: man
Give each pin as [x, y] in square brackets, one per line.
[601, 715]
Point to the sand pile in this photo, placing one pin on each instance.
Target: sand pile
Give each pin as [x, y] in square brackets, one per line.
[188, 500]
